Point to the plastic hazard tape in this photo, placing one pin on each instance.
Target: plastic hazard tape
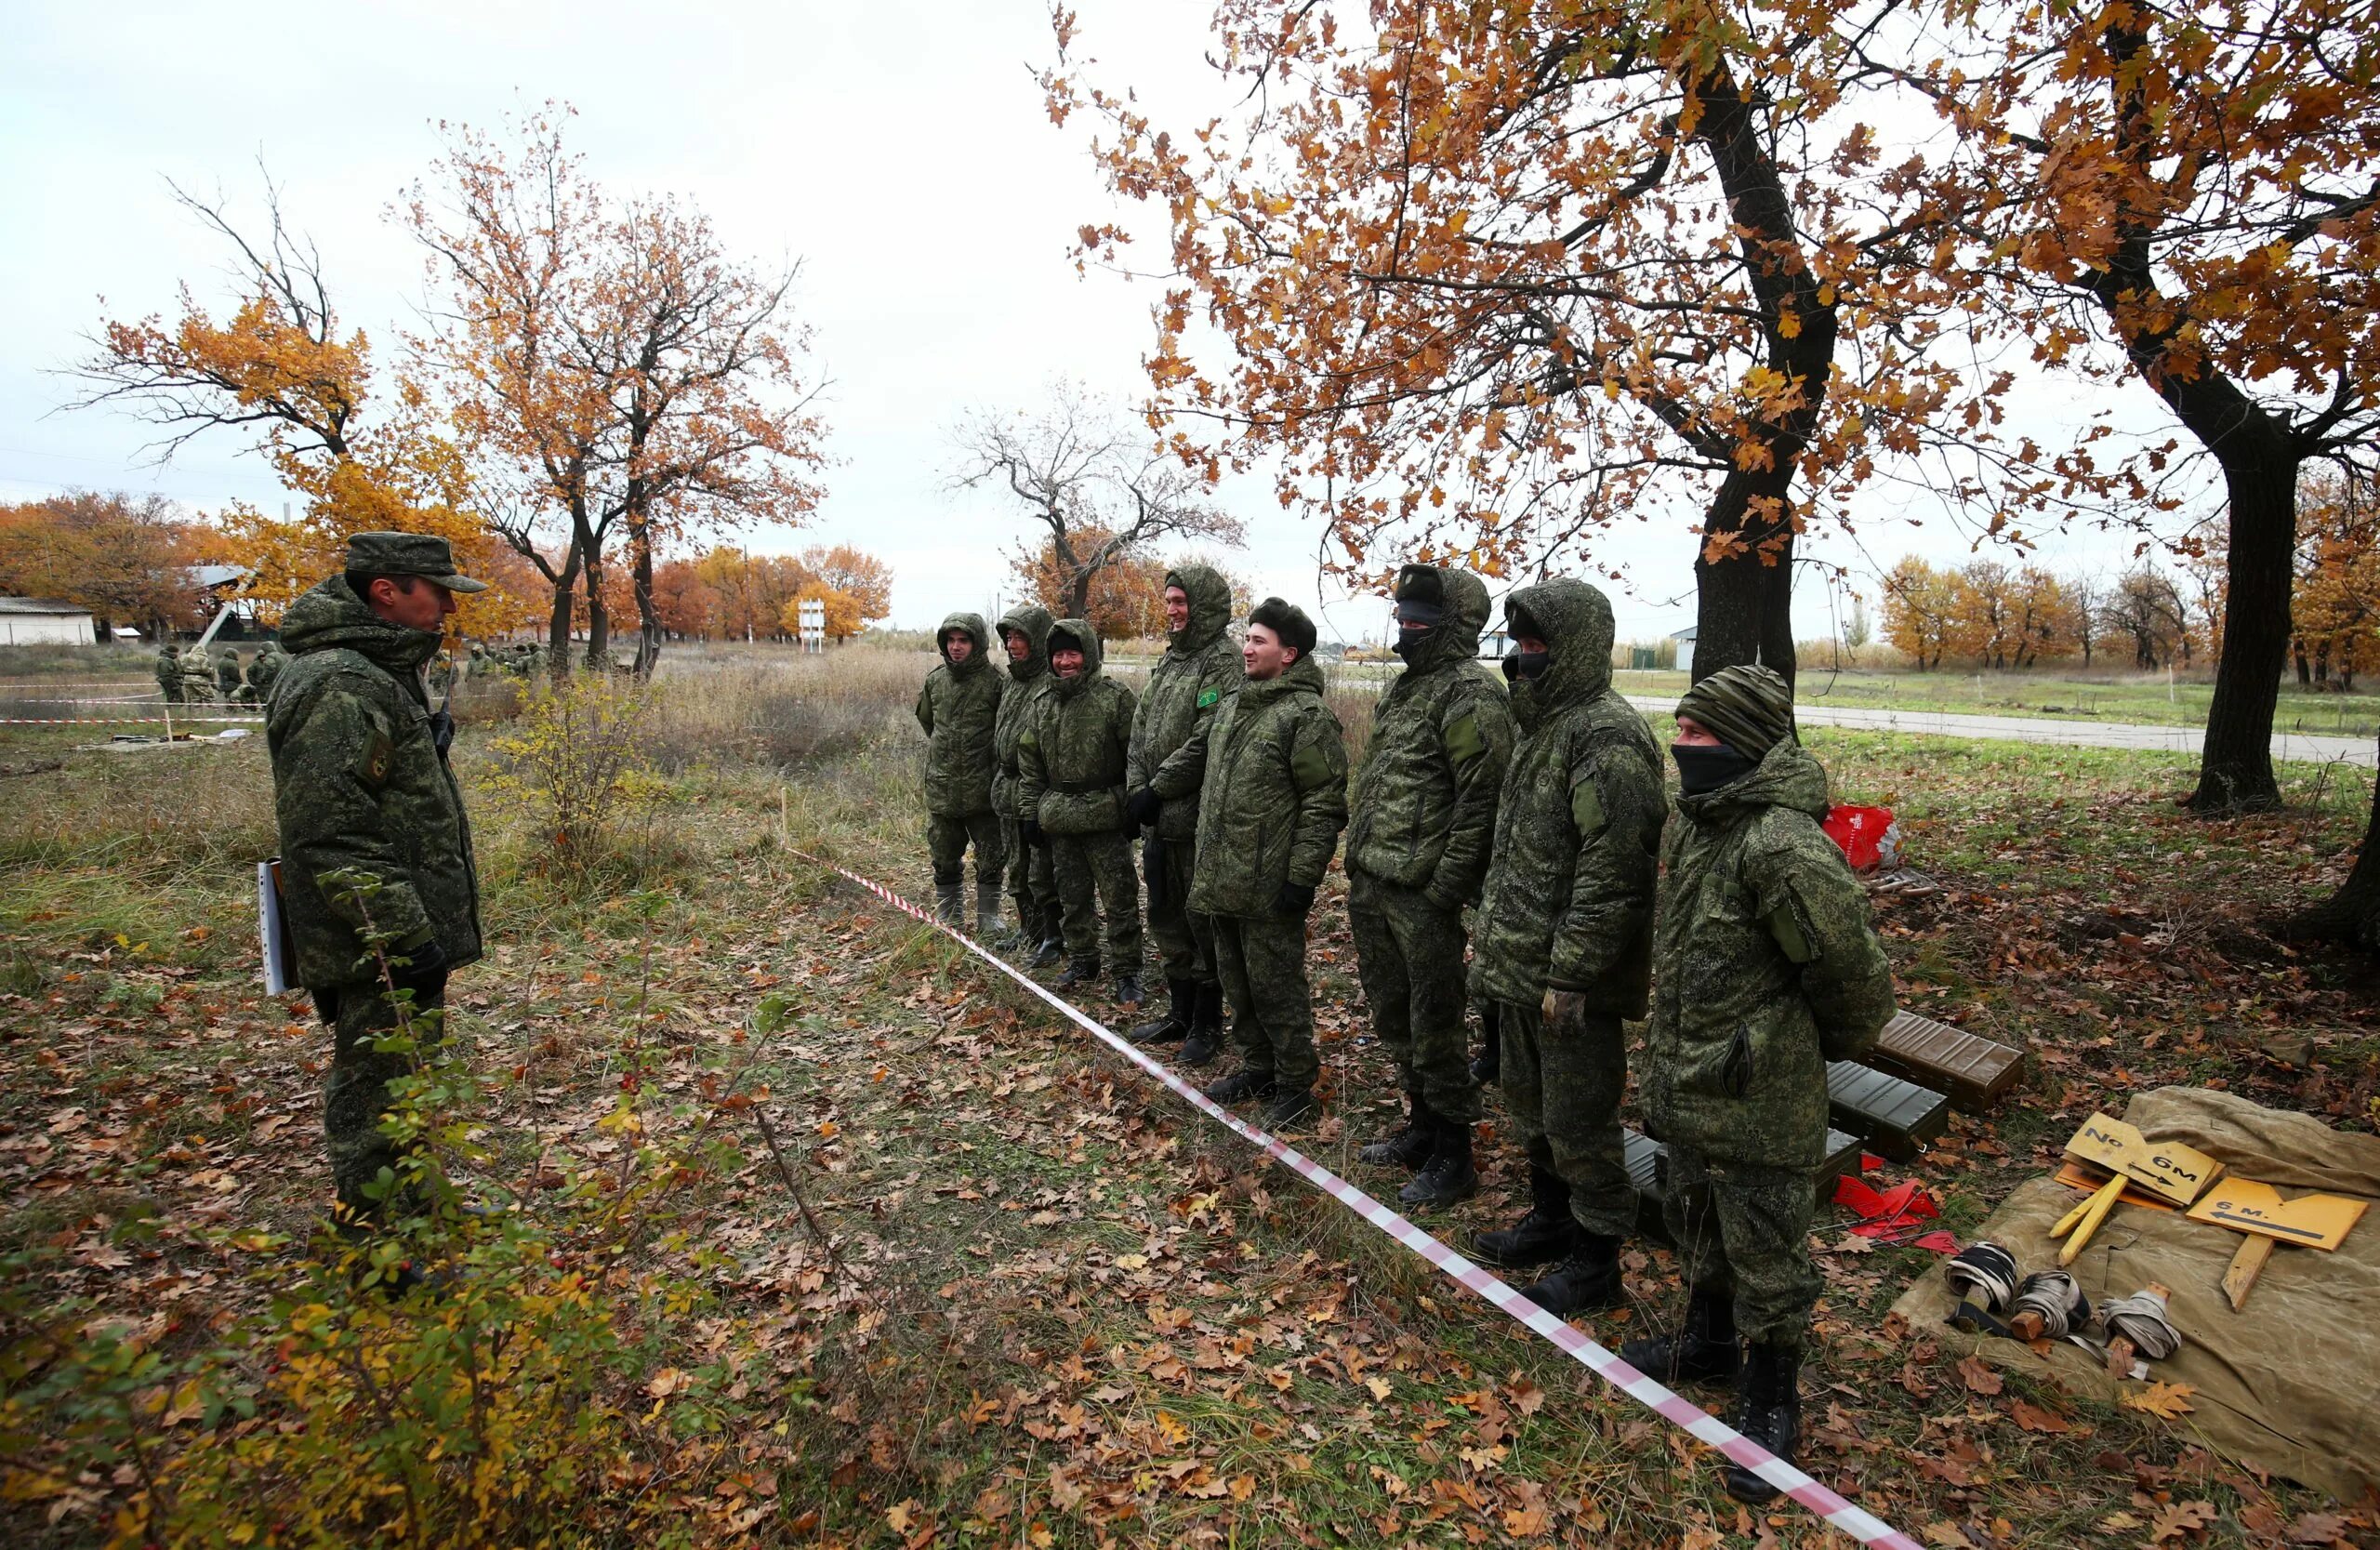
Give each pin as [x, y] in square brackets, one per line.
[8, 698]
[131, 721]
[1858, 1522]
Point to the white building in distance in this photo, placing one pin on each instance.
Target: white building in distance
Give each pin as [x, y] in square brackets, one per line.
[41, 621]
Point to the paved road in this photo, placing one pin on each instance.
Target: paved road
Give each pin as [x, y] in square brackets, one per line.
[2092, 734]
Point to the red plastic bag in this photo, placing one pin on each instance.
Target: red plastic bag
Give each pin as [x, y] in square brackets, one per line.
[1869, 836]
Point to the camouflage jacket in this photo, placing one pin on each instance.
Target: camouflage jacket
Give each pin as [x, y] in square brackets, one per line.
[1070, 759]
[1028, 682]
[1570, 884]
[169, 670]
[1425, 800]
[1270, 768]
[228, 675]
[266, 667]
[1199, 671]
[959, 708]
[1768, 968]
[358, 783]
[198, 673]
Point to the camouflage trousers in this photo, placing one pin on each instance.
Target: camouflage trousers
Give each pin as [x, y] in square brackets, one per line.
[1408, 956]
[1094, 877]
[1032, 886]
[1185, 940]
[947, 838]
[1562, 1086]
[355, 1093]
[1745, 1230]
[1261, 965]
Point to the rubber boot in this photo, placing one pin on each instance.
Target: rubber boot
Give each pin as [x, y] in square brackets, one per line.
[1127, 990]
[1079, 971]
[1053, 939]
[1206, 1040]
[987, 912]
[1587, 1279]
[1706, 1349]
[1546, 1234]
[1410, 1144]
[950, 903]
[1290, 1107]
[1449, 1175]
[1242, 1084]
[1180, 995]
[1489, 1064]
[1768, 1411]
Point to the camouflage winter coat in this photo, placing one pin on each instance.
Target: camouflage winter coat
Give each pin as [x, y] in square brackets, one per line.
[264, 669]
[1425, 801]
[358, 782]
[227, 674]
[1029, 681]
[170, 673]
[1766, 969]
[1270, 769]
[198, 674]
[1070, 759]
[1199, 671]
[1570, 894]
[959, 708]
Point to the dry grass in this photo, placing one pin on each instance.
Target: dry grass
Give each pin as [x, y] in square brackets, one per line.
[785, 710]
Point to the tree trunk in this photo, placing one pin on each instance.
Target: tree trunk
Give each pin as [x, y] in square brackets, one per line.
[1743, 610]
[2260, 479]
[1079, 596]
[557, 623]
[598, 623]
[2351, 915]
[648, 619]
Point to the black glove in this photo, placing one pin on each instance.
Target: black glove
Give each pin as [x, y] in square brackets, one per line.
[1143, 807]
[442, 731]
[1295, 898]
[1030, 831]
[426, 974]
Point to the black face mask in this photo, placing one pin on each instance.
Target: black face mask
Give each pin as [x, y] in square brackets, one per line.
[1512, 666]
[1707, 766]
[1531, 665]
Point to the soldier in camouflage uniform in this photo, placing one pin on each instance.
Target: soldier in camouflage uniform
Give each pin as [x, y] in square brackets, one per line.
[1768, 968]
[229, 680]
[1564, 942]
[1270, 768]
[1070, 793]
[1032, 887]
[361, 784]
[169, 674]
[1199, 671]
[264, 669]
[959, 708]
[198, 676]
[1417, 853]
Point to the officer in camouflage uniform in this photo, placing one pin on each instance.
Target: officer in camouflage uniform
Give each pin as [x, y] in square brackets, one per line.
[1417, 853]
[228, 679]
[198, 675]
[959, 709]
[1563, 943]
[264, 669]
[1024, 632]
[1768, 968]
[1070, 791]
[1199, 671]
[1270, 768]
[361, 784]
[169, 674]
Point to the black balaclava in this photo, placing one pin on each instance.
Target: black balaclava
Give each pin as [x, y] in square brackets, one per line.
[1707, 766]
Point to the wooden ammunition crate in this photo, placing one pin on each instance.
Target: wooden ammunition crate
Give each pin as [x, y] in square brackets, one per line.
[1974, 1071]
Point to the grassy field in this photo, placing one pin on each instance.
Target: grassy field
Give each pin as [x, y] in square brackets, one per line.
[950, 1274]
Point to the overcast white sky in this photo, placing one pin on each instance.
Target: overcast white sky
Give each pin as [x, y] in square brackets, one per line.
[899, 149]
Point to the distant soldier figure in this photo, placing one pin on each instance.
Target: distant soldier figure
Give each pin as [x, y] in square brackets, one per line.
[198, 676]
[1070, 794]
[228, 679]
[1270, 769]
[1767, 968]
[265, 669]
[1417, 853]
[361, 784]
[959, 709]
[169, 674]
[1199, 671]
[1032, 886]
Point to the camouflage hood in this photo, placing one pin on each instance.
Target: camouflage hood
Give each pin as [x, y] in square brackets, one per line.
[330, 617]
[1787, 777]
[1077, 633]
[1209, 608]
[1574, 621]
[1456, 638]
[1032, 621]
[971, 626]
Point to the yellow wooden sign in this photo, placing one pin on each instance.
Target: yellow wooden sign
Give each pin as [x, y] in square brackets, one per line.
[2179, 1173]
[2245, 1205]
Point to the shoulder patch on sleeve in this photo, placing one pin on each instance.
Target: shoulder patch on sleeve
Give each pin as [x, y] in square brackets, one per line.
[1785, 925]
[1462, 739]
[1310, 767]
[379, 752]
[1586, 806]
[1209, 696]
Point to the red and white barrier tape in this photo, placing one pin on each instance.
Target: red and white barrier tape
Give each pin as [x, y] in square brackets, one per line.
[1861, 1524]
[132, 720]
[8, 698]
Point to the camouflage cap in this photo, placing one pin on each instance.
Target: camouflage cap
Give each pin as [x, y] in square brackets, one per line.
[1749, 708]
[408, 554]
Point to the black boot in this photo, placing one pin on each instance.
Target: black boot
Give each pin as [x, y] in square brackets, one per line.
[1206, 1040]
[1489, 1063]
[950, 903]
[1079, 971]
[1449, 1175]
[1408, 1147]
[1705, 1350]
[1291, 1106]
[1546, 1234]
[1768, 1411]
[1052, 950]
[1242, 1084]
[1181, 995]
[1127, 990]
[1587, 1279]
